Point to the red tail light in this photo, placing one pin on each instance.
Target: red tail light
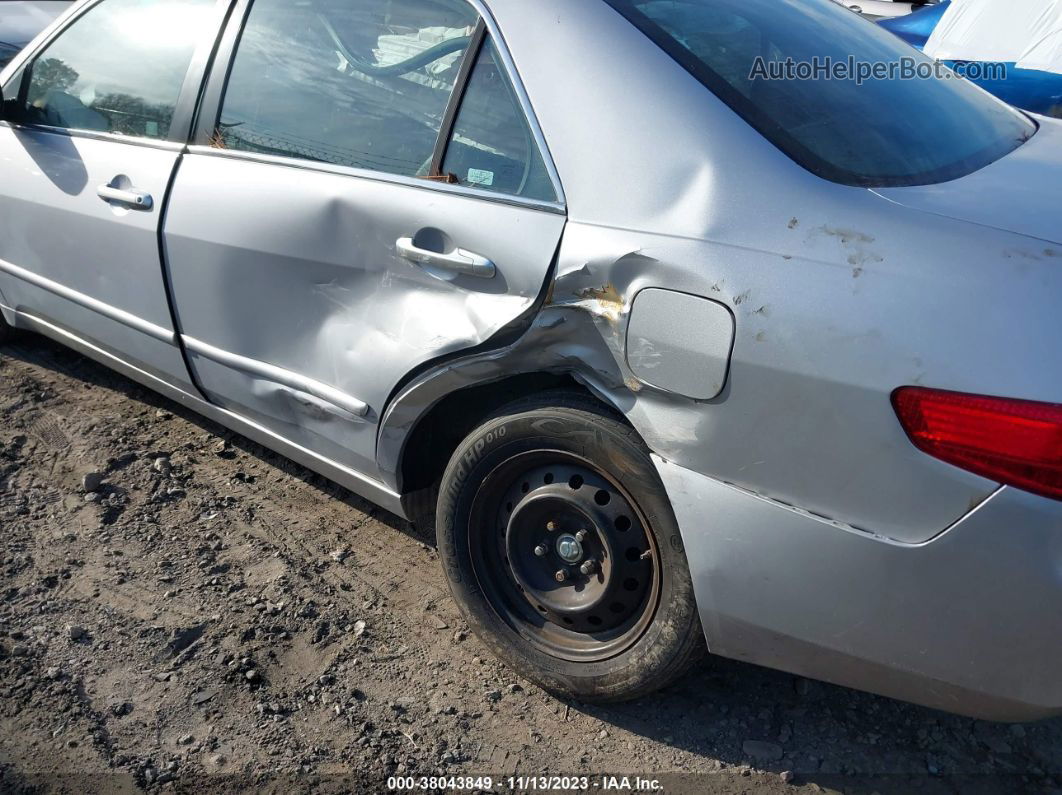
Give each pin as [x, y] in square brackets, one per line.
[1017, 442]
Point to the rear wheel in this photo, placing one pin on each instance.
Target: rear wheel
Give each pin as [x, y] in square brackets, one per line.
[561, 548]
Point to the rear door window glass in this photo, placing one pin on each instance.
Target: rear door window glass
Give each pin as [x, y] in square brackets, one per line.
[492, 146]
[362, 84]
[119, 67]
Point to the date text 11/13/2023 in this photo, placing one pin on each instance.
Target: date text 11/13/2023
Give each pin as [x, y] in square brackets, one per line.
[524, 783]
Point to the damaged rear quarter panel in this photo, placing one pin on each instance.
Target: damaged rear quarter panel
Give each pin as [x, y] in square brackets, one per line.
[838, 296]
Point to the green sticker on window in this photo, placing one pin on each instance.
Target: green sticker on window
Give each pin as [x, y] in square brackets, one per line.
[477, 176]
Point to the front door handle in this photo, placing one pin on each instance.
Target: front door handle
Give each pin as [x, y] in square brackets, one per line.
[129, 197]
[458, 261]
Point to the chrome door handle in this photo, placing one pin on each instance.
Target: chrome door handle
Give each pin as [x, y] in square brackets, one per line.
[458, 261]
[136, 199]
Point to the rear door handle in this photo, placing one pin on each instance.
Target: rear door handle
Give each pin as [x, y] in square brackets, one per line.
[457, 261]
[136, 199]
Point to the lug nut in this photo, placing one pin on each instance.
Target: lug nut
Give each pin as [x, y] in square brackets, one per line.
[561, 575]
[588, 567]
[541, 550]
[581, 536]
[551, 526]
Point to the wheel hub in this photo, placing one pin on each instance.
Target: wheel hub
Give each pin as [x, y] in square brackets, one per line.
[569, 549]
[576, 549]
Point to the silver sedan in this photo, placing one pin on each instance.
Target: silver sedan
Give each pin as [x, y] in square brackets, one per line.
[678, 341]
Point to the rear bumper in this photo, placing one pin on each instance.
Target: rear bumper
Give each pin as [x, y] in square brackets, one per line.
[969, 622]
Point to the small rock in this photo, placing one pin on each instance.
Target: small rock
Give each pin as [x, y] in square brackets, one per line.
[253, 676]
[53, 673]
[761, 749]
[20, 650]
[341, 554]
[75, 632]
[92, 497]
[359, 628]
[603, 734]
[436, 623]
[92, 481]
[204, 697]
[787, 776]
[186, 739]
[459, 636]
[493, 696]
[162, 466]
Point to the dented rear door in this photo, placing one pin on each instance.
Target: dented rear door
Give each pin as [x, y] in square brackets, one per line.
[322, 245]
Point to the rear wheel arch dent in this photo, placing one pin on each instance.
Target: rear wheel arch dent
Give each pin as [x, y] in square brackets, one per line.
[417, 449]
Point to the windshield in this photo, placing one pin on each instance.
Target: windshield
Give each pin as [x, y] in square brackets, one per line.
[797, 71]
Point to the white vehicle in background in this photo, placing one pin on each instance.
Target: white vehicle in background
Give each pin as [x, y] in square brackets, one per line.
[878, 9]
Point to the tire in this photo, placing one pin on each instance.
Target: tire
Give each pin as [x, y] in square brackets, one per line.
[7, 333]
[512, 501]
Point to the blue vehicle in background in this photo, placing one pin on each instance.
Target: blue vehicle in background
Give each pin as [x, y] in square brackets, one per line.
[1030, 89]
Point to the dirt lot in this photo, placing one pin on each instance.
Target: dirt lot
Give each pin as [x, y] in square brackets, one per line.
[181, 609]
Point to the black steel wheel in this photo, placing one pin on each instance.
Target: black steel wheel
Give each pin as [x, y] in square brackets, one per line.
[562, 550]
[564, 556]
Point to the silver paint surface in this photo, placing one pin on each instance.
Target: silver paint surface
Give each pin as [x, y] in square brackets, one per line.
[680, 343]
[91, 266]
[820, 540]
[307, 280]
[965, 622]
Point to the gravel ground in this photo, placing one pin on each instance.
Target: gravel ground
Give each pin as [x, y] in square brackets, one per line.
[182, 609]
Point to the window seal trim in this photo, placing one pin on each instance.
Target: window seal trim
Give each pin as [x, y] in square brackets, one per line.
[457, 96]
[95, 135]
[217, 79]
[378, 176]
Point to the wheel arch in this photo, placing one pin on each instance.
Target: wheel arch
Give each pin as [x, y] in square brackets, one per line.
[429, 443]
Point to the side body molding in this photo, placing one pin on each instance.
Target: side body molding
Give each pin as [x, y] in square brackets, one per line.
[279, 375]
